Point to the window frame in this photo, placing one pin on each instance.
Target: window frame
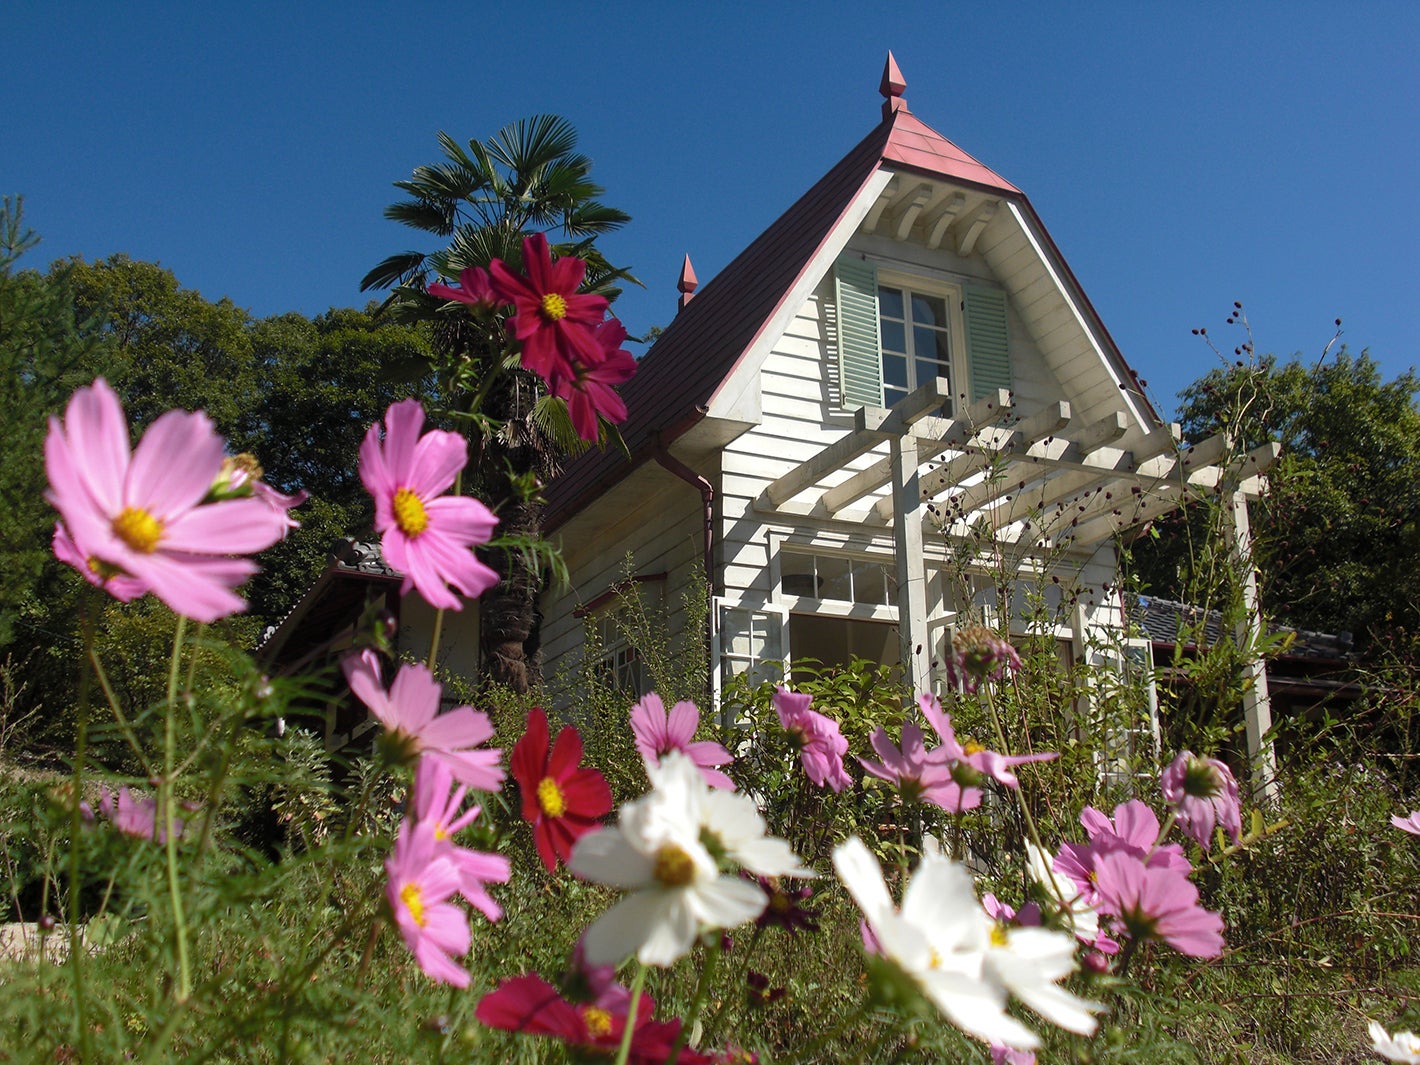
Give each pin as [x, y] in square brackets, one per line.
[952, 295]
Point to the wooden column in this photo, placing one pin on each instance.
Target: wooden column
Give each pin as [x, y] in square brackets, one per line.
[911, 567]
[1257, 704]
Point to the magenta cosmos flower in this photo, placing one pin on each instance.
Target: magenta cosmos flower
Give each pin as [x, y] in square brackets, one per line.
[1203, 793]
[1156, 902]
[590, 391]
[420, 883]
[1134, 831]
[426, 535]
[555, 324]
[435, 804]
[1409, 824]
[475, 289]
[409, 711]
[821, 744]
[146, 515]
[659, 732]
[561, 800]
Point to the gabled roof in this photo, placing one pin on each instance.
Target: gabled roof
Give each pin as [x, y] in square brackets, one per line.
[698, 352]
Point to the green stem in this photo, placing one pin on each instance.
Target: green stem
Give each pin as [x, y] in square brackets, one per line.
[76, 828]
[624, 1054]
[184, 988]
[702, 992]
[368, 952]
[434, 641]
[123, 723]
[738, 981]
[1026, 816]
[214, 793]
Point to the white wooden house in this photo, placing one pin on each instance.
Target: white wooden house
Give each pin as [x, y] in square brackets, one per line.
[900, 377]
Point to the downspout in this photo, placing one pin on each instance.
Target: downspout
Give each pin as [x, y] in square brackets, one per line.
[707, 504]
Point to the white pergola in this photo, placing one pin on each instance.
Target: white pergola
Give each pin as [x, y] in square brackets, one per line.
[1035, 483]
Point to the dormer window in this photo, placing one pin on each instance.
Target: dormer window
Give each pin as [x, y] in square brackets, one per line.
[915, 331]
[897, 331]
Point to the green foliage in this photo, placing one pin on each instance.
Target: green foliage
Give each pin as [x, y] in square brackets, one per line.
[1336, 535]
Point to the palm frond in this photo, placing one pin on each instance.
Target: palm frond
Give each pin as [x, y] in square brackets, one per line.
[395, 270]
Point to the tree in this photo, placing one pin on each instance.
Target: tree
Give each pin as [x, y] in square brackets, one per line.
[483, 200]
[1337, 542]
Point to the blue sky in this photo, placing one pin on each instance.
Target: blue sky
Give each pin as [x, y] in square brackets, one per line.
[1182, 156]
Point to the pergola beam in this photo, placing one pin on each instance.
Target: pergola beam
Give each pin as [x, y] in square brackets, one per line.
[944, 434]
[871, 426]
[1026, 434]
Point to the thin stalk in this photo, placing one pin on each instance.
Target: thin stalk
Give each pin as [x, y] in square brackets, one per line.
[624, 1054]
[76, 827]
[811, 1052]
[434, 641]
[113, 703]
[184, 988]
[697, 1004]
[714, 1023]
[214, 793]
[368, 952]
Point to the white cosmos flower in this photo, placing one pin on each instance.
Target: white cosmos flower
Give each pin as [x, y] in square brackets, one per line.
[1061, 889]
[939, 939]
[658, 851]
[1402, 1046]
[961, 959]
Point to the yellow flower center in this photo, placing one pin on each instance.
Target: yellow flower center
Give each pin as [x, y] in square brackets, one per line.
[138, 529]
[409, 513]
[439, 833]
[998, 935]
[103, 570]
[550, 798]
[779, 902]
[597, 1020]
[554, 307]
[674, 868]
[972, 747]
[413, 902]
[934, 960]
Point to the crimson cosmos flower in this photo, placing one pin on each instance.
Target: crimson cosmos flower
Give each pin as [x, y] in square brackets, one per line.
[561, 801]
[555, 324]
[529, 1004]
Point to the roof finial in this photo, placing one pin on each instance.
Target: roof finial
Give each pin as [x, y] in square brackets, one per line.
[892, 88]
[687, 283]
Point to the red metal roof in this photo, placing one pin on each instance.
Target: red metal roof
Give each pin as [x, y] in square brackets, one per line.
[701, 347]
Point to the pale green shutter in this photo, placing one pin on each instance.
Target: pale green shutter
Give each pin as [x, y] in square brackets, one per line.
[987, 351]
[860, 366]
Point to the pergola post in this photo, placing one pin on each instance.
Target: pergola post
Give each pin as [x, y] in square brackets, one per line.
[1257, 703]
[911, 567]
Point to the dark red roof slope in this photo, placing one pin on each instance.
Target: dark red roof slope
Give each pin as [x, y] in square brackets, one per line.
[702, 346]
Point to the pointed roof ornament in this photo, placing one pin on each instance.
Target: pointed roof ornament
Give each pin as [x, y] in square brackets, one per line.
[687, 284]
[892, 87]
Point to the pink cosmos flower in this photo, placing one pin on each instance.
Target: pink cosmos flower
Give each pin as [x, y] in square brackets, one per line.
[971, 764]
[433, 803]
[1133, 831]
[979, 655]
[1409, 824]
[821, 745]
[146, 514]
[553, 321]
[240, 478]
[426, 535]
[100, 574]
[409, 711]
[1001, 1055]
[659, 732]
[420, 883]
[1203, 793]
[136, 817]
[475, 289]
[590, 391]
[919, 774]
[1157, 902]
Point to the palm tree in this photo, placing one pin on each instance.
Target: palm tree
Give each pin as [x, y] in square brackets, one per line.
[482, 200]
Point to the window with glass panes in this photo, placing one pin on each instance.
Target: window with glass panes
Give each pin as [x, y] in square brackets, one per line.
[916, 340]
